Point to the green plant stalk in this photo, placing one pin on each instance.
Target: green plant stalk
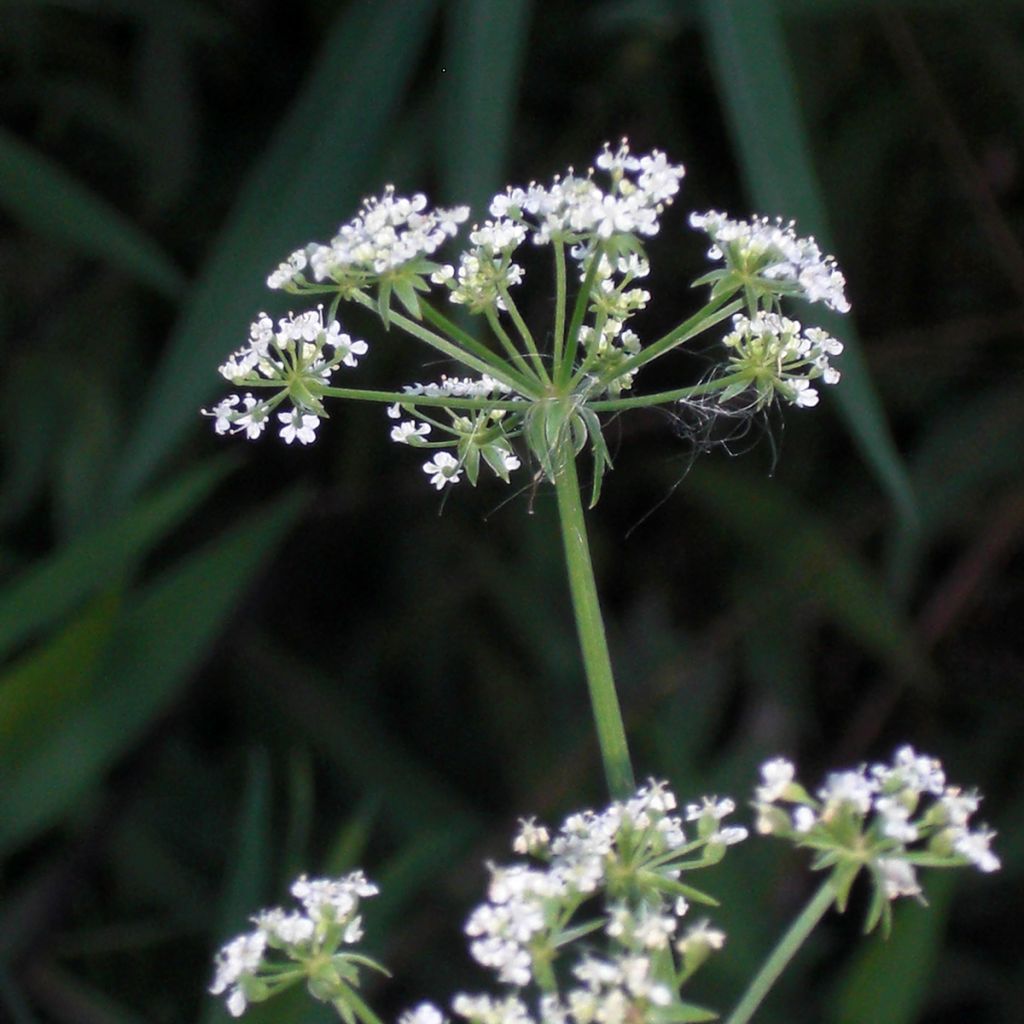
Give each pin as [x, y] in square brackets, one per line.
[780, 957]
[611, 733]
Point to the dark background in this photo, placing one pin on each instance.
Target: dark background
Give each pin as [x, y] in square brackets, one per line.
[227, 663]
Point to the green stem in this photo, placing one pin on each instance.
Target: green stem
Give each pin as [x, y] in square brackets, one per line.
[464, 338]
[524, 333]
[661, 397]
[560, 291]
[404, 398]
[611, 733]
[563, 371]
[484, 361]
[707, 317]
[783, 953]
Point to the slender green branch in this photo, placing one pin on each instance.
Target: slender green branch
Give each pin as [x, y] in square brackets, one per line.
[484, 361]
[704, 318]
[560, 289]
[507, 343]
[661, 397]
[404, 398]
[563, 371]
[611, 733]
[525, 333]
[787, 948]
[464, 338]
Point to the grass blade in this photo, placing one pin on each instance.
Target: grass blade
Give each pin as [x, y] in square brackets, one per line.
[44, 198]
[153, 652]
[758, 88]
[802, 552]
[51, 588]
[485, 46]
[310, 179]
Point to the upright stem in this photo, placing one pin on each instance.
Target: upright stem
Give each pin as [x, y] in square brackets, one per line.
[611, 734]
[783, 953]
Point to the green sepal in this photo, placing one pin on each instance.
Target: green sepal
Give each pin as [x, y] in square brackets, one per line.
[680, 1013]
[535, 431]
[709, 278]
[407, 296]
[577, 932]
[842, 881]
[879, 909]
[360, 958]
[493, 457]
[599, 451]
[734, 389]
[384, 304]
[675, 888]
[469, 456]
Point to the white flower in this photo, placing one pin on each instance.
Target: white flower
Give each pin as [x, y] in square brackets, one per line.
[975, 847]
[409, 432]
[771, 252]
[530, 837]
[241, 957]
[898, 877]
[445, 469]
[424, 1013]
[298, 426]
[387, 233]
[776, 776]
[850, 789]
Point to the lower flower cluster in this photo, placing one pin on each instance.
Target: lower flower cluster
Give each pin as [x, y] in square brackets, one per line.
[307, 944]
[613, 878]
[592, 923]
[887, 818]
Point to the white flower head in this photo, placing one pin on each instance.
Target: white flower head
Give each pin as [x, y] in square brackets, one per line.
[444, 469]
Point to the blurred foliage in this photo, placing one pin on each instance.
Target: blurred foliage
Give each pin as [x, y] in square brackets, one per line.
[226, 664]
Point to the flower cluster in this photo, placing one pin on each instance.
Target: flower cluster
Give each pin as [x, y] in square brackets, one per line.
[614, 873]
[389, 234]
[534, 393]
[776, 357]
[307, 944]
[766, 258]
[889, 819]
[298, 360]
[576, 209]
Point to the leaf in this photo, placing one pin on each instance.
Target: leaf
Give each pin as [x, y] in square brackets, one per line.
[153, 651]
[42, 197]
[485, 44]
[249, 870]
[46, 591]
[339, 123]
[55, 676]
[887, 981]
[758, 88]
[803, 555]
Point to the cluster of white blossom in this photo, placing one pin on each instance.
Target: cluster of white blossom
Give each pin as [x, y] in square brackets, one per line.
[766, 257]
[776, 357]
[387, 234]
[609, 343]
[486, 271]
[615, 872]
[297, 359]
[602, 219]
[247, 969]
[475, 437]
[576, 209]
[887, 817]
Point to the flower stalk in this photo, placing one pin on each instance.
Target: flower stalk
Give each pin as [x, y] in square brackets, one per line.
[604, 701]
[780, 957]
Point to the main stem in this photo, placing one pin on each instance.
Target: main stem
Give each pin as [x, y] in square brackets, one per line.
[783, 953]
[611, 733]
